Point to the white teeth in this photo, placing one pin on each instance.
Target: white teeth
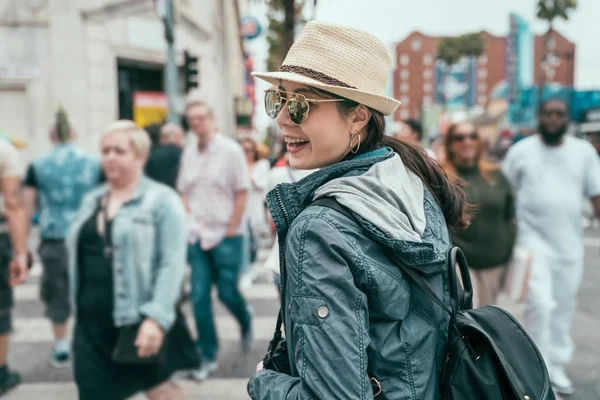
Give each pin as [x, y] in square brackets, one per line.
[294, 140]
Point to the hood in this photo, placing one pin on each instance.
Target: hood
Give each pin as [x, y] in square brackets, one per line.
[388, 196]
[390, 202]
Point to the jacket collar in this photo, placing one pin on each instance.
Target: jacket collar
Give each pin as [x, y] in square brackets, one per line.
[287, 201]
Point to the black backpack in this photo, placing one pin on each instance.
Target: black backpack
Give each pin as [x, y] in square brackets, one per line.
[489, 354]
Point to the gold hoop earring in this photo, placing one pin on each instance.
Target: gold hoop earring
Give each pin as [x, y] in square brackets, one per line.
[352, 150]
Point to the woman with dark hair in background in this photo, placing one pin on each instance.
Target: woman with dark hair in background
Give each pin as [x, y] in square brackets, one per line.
[350, 314]
[488, 242]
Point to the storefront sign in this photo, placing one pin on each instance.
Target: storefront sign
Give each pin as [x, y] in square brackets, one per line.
[149, 108]
[18, 72]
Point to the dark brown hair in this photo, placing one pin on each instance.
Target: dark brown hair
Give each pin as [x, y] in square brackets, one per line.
[449, 194]
[486, 168]
[256, 155]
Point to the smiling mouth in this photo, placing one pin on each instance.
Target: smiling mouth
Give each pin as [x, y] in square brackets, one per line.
[295, 142]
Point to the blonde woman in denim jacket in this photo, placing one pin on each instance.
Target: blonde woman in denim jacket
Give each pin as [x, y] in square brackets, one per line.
[127, 249]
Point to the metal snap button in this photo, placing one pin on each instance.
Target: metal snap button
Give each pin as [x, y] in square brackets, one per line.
[322, 312]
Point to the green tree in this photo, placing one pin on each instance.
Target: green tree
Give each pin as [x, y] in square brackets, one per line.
[549, 11]
[283, 17]
[452, 49]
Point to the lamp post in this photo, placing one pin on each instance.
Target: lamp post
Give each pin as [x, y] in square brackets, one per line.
[164, 10]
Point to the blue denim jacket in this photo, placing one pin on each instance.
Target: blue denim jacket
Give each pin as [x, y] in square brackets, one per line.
[149, 236]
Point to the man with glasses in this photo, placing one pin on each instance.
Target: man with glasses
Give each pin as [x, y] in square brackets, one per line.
[213, 180]
[552, 174]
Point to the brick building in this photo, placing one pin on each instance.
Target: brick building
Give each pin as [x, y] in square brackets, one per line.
[416, 79]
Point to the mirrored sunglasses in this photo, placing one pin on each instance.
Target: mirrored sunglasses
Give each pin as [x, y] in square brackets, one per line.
[298, 105]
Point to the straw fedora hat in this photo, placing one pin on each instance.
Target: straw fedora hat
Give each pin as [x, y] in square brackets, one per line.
[348, 62]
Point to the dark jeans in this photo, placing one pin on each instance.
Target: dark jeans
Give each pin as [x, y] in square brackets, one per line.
[219, 265]
[6, 294]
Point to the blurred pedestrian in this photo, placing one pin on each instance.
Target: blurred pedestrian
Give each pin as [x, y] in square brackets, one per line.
[127, 250]
[57, 182]
[349, 312]
[258, 171]
[489, 240]
[13, 252]
[214, 183]
[552, 174]
[412, 131]
[165, 157]
[285, 174]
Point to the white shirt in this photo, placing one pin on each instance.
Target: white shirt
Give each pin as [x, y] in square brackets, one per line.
[210, 180]
[551, 185]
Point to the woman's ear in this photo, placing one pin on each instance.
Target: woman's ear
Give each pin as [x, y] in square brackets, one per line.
[359, 118]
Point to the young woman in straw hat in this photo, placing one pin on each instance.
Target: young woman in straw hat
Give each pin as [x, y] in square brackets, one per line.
[356, 327]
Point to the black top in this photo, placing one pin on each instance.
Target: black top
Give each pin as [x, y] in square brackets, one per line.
[163, 164]
[488, 242]
[95, 297]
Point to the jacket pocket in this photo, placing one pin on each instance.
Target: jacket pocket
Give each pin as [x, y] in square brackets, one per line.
[309, 310]
[144, 243]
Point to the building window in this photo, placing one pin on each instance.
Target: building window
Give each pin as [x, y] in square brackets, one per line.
[483, 60]
[482, 73]
[427, 87]
[404, 100]
[404, 74]
[550, 73]
[415, 45]
[404, 114]
[551, 43]
[482, 87]
[427, 59]
[404, 59]
[427, 100]
[482, 99]
[404, 88]
[427, 73]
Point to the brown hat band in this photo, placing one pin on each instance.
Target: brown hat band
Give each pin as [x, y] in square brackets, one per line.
[311, 73]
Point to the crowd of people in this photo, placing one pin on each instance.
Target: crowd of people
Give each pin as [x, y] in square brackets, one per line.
[118, 231]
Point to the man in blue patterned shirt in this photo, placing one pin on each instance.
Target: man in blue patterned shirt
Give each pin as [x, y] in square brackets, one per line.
[57, 183]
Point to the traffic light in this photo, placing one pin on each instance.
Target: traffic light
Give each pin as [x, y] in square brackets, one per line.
[190, 71]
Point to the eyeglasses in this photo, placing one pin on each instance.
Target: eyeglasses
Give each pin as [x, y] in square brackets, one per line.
[298, 105]
[462, 138]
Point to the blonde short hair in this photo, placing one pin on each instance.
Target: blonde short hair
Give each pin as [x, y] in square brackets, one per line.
[138, 137]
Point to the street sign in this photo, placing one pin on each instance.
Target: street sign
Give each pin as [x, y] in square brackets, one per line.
[250, 28]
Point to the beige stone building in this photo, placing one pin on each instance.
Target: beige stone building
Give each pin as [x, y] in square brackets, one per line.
[91, 55]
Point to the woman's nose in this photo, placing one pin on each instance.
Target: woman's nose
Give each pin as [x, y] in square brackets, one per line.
[283, 117]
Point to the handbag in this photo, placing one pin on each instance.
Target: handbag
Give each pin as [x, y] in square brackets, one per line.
[277, 358]
[178, 340]
[489, 355]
